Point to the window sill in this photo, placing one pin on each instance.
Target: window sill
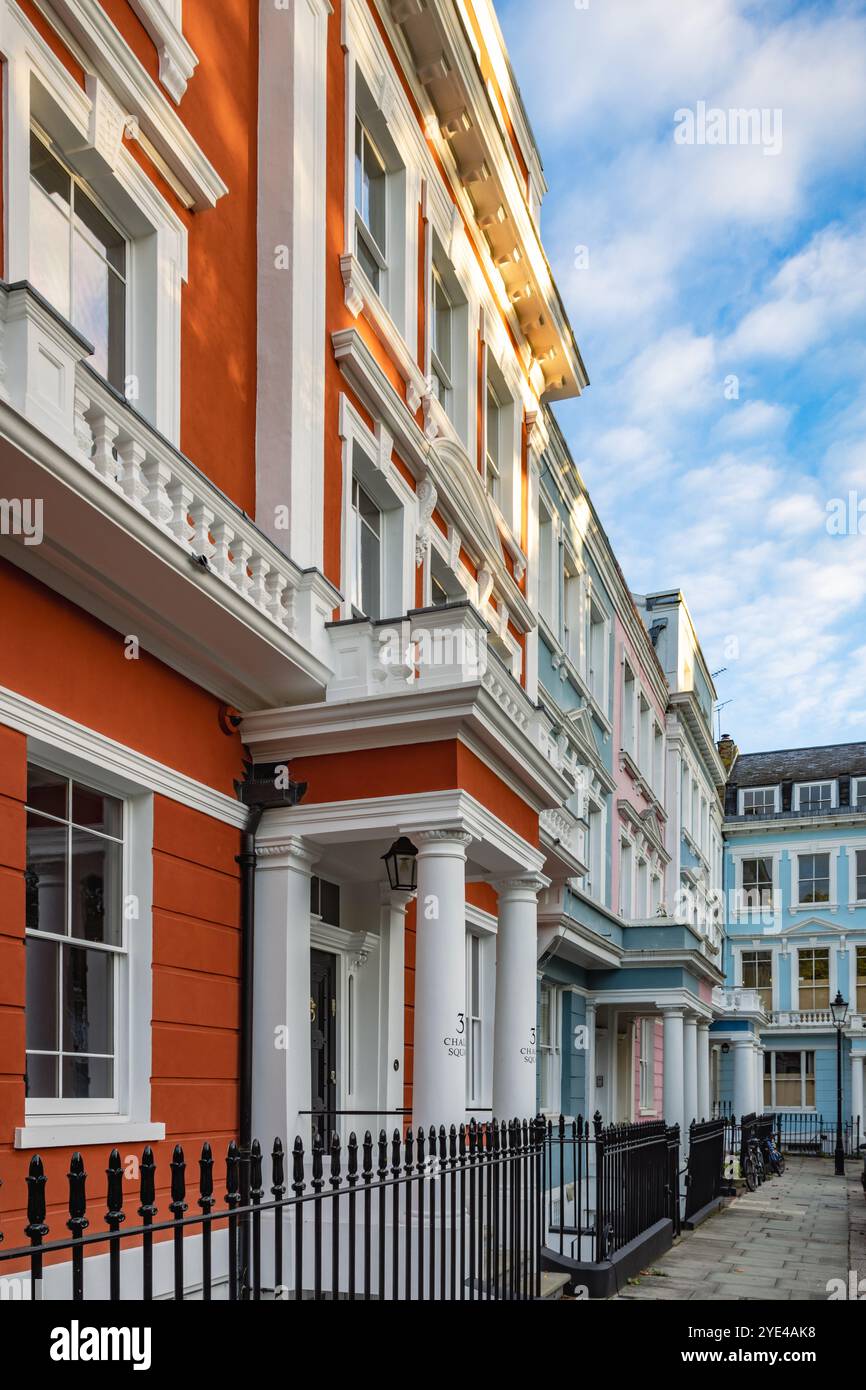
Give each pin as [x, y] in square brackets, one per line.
[360, 297]
[63, 1131]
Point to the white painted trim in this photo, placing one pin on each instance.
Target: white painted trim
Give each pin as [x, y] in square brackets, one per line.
[830, 782]
[851, 851]
[77, 1131]
[85, 748]
[111, 57]
[775, 952]
[348, 820]
[833, 849]
[817, 944]
[177, 60]
[742, 793]
[156, 237]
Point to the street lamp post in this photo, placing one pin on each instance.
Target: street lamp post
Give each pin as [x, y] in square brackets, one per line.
[839, 1011]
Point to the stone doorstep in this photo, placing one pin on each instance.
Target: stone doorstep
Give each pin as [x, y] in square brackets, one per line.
[552, 1284]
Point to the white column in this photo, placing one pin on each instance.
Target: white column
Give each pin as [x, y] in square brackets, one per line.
[281, 991]
[612, 1066]
[759, 1078]
[857, 1064]
[673, 1067]
[704, 1098]
[744, 1077]
[589, 1084]
[690, 1069]
[515, 1014]
[439, 1087]
[392, 965]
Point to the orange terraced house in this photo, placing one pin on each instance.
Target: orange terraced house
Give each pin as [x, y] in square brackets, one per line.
[278, 339]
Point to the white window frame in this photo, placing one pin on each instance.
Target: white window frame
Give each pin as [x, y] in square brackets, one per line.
[748, 948]
[817, 847]
[771, 1053]
[626, 877]
[856, 784]
[594, 882]
[368, 454]
[646, 1095]
[832, 949]
[157, 238]
[129, 1118]
[800, 787]
[739, 908]
[549, 563]
[743, 791]
[476, 1043]
[504, 495]
[550, 1055]
[77, 181]
[851, 852]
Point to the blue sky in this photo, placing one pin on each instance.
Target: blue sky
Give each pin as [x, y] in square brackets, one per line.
[722, 318]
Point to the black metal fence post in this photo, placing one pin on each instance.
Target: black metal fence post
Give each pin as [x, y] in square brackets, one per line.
[114, 1218]
[77, 1222]
[36, 1228]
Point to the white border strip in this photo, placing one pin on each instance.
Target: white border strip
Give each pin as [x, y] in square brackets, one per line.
[139, 770]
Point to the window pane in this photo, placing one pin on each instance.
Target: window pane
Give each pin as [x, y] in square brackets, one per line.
[94, 811]
[329, 902]
[99, 232]
[50, 190]
[474, 995]
[46, 791]
[41, 993]
[99, 310]
[45, 877]
[369, 264]
[370, 572]
[88, 1002]
[374, 194]
[40, 1080]
[88, 1078]
[96, 888]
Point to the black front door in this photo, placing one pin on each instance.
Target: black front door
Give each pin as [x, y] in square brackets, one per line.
[323, 1041]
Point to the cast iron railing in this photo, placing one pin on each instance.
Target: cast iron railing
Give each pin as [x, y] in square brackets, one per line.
[795, 1132]
[606, 1186]
[706, 1161]
[439, 1215]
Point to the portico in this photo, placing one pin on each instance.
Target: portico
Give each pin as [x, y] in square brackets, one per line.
[411, 1002]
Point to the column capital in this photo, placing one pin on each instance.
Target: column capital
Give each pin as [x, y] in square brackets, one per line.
[398, 899]
[703, 1025]
[673, 1011]
[294, 852]
[443, 835]
[521, 885]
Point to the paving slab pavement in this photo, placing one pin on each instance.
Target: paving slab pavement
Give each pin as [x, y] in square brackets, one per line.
[781, 1244]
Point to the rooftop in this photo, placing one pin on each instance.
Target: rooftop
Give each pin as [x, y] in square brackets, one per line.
[825, 762]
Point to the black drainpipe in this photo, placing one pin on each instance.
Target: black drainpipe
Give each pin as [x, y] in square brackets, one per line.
[247, 861]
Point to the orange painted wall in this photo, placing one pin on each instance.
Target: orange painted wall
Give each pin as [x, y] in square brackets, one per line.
[218, 349]
[218, 308]
[196, 992]
[413, 767]
[58, 655]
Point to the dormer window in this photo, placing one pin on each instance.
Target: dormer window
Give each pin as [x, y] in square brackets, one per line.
[812, 797]
[858, 793]
[758, 801]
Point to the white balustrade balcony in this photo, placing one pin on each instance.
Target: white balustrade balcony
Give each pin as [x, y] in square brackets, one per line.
[138, 535]
[738, 1001]
[816, 1019]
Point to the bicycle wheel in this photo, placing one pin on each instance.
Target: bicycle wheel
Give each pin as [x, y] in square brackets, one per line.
[750, 1173]
[760, 1170]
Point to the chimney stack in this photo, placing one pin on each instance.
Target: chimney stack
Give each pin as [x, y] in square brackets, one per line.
[728, 751]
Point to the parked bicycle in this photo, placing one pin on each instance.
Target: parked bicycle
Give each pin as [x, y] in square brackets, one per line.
[752, 1165]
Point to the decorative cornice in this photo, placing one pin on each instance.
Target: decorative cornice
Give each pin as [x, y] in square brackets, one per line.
[177, 61]
[115, 62]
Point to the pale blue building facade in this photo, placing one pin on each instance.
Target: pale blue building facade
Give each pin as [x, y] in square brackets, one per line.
[795, 906]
